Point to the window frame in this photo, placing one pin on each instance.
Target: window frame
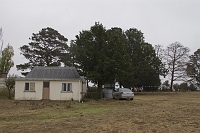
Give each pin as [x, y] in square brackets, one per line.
[66, 87]
[28, 85]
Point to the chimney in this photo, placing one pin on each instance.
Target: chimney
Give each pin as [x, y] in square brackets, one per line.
[3, 75]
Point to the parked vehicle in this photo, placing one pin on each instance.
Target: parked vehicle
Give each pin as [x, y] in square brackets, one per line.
[123, 93]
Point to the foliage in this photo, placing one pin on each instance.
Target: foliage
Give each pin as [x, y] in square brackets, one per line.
[165, 85]
[93, 95]
[192, 87]
[92, 89]
[46, 48]
[88, 48]
[193, 68]
[10, 84]
[4, 93]
[117, 59]
[183, 86]
[6, 61]
[105, 56]
[176, 56]
[145, 64]
[101, 54]
[176, 86]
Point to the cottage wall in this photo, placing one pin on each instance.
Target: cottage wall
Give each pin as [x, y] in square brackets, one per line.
[21, 94]
[55, 93]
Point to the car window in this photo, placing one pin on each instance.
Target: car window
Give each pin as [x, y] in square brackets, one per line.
[115, 90]
[125, 90]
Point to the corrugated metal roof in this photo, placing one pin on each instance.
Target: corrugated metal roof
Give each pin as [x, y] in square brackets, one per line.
[53, 73]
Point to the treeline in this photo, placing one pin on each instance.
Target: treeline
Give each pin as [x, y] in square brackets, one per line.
[107, 55]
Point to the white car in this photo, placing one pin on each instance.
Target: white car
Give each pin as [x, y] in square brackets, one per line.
[123, 93]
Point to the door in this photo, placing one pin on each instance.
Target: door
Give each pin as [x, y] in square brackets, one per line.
[115, 93]
[45, 90]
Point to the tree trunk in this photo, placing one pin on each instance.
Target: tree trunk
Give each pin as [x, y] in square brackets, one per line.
[173, 67]
[9, 95]
[99, 89]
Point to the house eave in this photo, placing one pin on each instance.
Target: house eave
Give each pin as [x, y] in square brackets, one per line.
[45, 79]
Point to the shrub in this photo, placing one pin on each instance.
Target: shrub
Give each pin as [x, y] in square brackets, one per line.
[92, 89]
[183, 87]
[4, 93]
[93, 95]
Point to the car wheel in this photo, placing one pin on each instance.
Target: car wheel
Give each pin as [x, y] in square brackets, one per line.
[131, 99]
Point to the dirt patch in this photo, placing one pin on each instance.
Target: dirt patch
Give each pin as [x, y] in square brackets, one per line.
[152, 113]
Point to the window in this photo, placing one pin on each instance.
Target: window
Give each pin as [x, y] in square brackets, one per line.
[67, 87]
[30, 86]
[27, 86]
[64, 87]
[46, 84]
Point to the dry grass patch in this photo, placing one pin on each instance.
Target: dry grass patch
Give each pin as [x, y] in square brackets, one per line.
[148, 112]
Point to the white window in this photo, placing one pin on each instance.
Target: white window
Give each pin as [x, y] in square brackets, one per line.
[67, 87]
[29, 86]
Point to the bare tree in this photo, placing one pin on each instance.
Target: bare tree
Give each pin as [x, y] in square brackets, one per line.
[1, 33]
[176, 57]
[159, 50]
[160, 53]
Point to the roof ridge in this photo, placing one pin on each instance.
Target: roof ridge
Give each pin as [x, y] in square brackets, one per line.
[53, 72]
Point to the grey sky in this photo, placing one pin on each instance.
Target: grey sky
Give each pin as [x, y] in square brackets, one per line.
[162, 21]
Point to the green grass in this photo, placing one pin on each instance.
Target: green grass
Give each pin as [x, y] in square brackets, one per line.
[50, 114]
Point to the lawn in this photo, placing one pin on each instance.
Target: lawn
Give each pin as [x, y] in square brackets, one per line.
[149, 112]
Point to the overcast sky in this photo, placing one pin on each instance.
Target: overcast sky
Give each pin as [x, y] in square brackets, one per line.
[162, 21]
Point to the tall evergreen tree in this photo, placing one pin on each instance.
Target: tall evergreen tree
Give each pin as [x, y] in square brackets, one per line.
[104, 56]
[116, 56]
[145, 64]
[88, 50]
[45, 49]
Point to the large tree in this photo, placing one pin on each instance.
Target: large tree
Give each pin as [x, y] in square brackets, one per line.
[193, 68]
[107, 55]
[101, 55]
[117, 60]
[45, 49]
[88, 48]
[145, 64]
[6, 61]
[176, 57]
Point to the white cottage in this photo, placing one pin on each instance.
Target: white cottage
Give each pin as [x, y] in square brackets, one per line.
[52, 83]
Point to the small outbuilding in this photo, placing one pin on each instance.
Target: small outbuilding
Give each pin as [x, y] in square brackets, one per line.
[51, 83]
